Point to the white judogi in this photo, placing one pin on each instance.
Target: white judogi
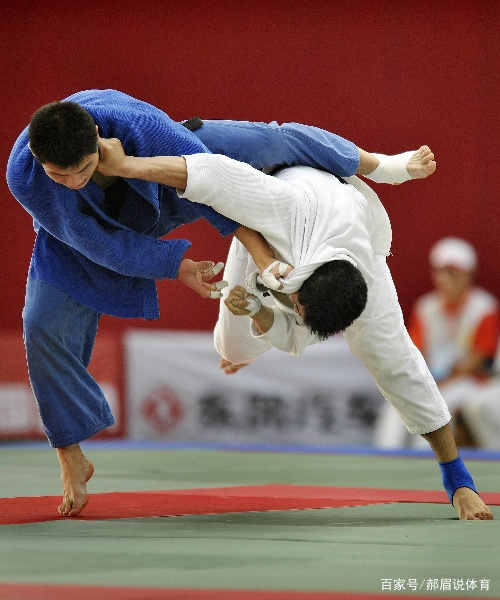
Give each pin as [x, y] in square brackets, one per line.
[310, 217]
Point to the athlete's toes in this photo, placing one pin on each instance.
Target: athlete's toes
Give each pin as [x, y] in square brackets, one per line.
[77, 509]
[428, 158]
[64, 508]
[426, 154]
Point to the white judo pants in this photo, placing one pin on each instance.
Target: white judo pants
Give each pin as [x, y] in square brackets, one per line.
[378, 338]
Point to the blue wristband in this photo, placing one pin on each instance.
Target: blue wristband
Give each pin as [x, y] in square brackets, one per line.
[455, 475]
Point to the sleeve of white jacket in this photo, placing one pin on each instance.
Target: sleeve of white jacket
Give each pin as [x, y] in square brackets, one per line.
[240, 192]
[286, 334]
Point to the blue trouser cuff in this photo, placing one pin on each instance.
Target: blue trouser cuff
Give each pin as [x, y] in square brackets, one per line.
[455, 475]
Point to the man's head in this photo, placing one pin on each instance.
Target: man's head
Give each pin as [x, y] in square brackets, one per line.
[63, 138]
[453, 264]
[331, 298]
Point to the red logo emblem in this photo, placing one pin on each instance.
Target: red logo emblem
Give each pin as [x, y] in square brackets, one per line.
[163, 409]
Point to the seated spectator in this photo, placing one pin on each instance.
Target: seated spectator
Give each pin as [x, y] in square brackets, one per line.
[456, 328]
[480, 414]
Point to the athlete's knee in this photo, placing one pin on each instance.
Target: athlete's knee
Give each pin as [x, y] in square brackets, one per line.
[41, 335]
[230, 349]
[223, 347]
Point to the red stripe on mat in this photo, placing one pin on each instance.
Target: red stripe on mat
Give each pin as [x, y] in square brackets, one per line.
[123, 505]
[16, 591]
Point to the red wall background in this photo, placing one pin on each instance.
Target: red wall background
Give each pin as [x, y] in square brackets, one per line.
[389, 75]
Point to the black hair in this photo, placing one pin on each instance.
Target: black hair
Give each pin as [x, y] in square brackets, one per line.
[62, 133]
[333, 297]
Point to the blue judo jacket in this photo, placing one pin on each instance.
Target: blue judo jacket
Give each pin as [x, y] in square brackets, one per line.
[111, 263]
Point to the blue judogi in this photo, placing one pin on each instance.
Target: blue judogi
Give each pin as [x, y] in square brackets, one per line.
[87, 261]
[111, 264]
[269, 145]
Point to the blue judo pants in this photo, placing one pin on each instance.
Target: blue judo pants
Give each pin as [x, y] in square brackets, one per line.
[59, 333]
[269, 145]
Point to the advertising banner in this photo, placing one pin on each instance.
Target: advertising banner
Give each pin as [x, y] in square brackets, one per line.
[176, 391]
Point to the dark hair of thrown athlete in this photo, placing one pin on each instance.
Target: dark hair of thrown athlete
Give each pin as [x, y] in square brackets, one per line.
[333, 297]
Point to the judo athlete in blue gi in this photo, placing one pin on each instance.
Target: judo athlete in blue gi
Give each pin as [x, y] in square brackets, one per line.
[97, 248]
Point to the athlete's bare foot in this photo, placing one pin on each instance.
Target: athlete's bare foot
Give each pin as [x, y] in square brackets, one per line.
[421, 164]
[470, 507]
[229, 368]
[396, 168]
[76, 470]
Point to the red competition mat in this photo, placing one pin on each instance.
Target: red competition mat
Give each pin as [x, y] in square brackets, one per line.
[19, 591]
[126, 505]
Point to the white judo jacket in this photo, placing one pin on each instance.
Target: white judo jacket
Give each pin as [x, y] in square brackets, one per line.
[310, 217]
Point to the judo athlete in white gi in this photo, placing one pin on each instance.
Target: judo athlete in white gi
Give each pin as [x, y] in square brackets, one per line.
[310, 218]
